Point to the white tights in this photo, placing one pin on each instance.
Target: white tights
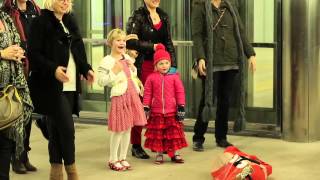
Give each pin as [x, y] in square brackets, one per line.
[121, 139]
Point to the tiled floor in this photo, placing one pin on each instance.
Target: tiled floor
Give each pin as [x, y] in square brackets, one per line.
[290, 161]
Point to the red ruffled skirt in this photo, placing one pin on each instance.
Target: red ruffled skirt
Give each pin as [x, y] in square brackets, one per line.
[164, 133]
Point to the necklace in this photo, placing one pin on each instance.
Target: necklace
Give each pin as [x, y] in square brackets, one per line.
[154, 17]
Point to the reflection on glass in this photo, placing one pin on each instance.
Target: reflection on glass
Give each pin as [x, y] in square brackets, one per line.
[264, 21]
[97, 54]
[260, 86]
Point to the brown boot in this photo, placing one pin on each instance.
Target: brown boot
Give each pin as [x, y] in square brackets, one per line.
[72, 172]
[56, 172]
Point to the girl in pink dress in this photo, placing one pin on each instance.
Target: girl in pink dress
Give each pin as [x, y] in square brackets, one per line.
[118, 72]
[164, 100]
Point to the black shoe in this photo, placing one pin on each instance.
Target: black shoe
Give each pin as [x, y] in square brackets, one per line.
[223, 143]
[139, 153]
[18, 167]
[29, 166]
[42, 125]
[197, 146]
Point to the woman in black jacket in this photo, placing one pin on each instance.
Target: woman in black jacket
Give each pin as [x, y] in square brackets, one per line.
[151, 25]
[57, 59]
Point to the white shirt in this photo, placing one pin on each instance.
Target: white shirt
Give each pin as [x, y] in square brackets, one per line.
[71, 85]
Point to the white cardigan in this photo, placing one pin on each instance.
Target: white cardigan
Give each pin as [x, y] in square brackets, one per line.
[117, 82]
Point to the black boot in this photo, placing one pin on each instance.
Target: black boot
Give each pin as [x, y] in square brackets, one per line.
[223, 143]
[139, 153]
[197, 146]
[18, 167]
[28, 165]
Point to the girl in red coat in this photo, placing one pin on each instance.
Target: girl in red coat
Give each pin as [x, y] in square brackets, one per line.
[164, 101]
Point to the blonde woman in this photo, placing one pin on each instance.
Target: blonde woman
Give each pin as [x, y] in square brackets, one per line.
[57, 58]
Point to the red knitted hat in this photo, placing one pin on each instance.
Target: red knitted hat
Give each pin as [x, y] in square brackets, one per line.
[160, 54]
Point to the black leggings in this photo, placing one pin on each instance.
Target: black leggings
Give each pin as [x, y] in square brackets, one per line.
[224, 80]
[6, 150]
[61, 131]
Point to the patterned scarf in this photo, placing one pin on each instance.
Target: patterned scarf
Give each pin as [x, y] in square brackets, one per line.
[11, 72]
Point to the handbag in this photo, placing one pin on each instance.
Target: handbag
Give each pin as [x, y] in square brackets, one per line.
[11, 108]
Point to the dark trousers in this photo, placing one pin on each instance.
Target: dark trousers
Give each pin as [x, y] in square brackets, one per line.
[61, 131]
[224, 80]
[146, 69]
[24, 156]
[6, 151]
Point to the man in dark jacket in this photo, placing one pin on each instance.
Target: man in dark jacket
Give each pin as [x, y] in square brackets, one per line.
[22, 13]
[220, 48]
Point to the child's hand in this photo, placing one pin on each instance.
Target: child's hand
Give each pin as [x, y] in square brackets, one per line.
[146, 111]
[117, 67]
[180, 113]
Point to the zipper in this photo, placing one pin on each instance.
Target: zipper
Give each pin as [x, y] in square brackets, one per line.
[162, 94]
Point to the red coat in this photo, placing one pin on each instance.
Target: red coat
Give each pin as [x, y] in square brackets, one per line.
[162, 93]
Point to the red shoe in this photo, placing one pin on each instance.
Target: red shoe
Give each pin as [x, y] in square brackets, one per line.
[116, 166]
[159, 159]
[125, 164]
[177, 159]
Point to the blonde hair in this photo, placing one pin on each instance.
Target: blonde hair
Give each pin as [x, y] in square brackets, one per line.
[114, 34]
[48, 4]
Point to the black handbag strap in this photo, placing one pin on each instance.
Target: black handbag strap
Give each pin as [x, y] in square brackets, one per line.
[242, 158]
[245, 158]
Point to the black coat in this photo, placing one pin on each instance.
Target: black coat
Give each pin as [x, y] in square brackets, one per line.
[141, 24]
[49, 47]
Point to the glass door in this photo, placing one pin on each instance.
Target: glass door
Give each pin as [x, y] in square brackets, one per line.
[263, 23]
[97, 18]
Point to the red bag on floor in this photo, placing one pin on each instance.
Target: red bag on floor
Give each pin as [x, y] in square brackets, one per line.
[237, 165]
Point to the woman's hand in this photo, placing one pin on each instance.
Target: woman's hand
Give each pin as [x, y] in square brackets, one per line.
[90, 77]
[117, 67]
[13, 52]
[132, 36]
[133, 53]
[155, 46]
[253, 63]
[202, 67]
[61, 75]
